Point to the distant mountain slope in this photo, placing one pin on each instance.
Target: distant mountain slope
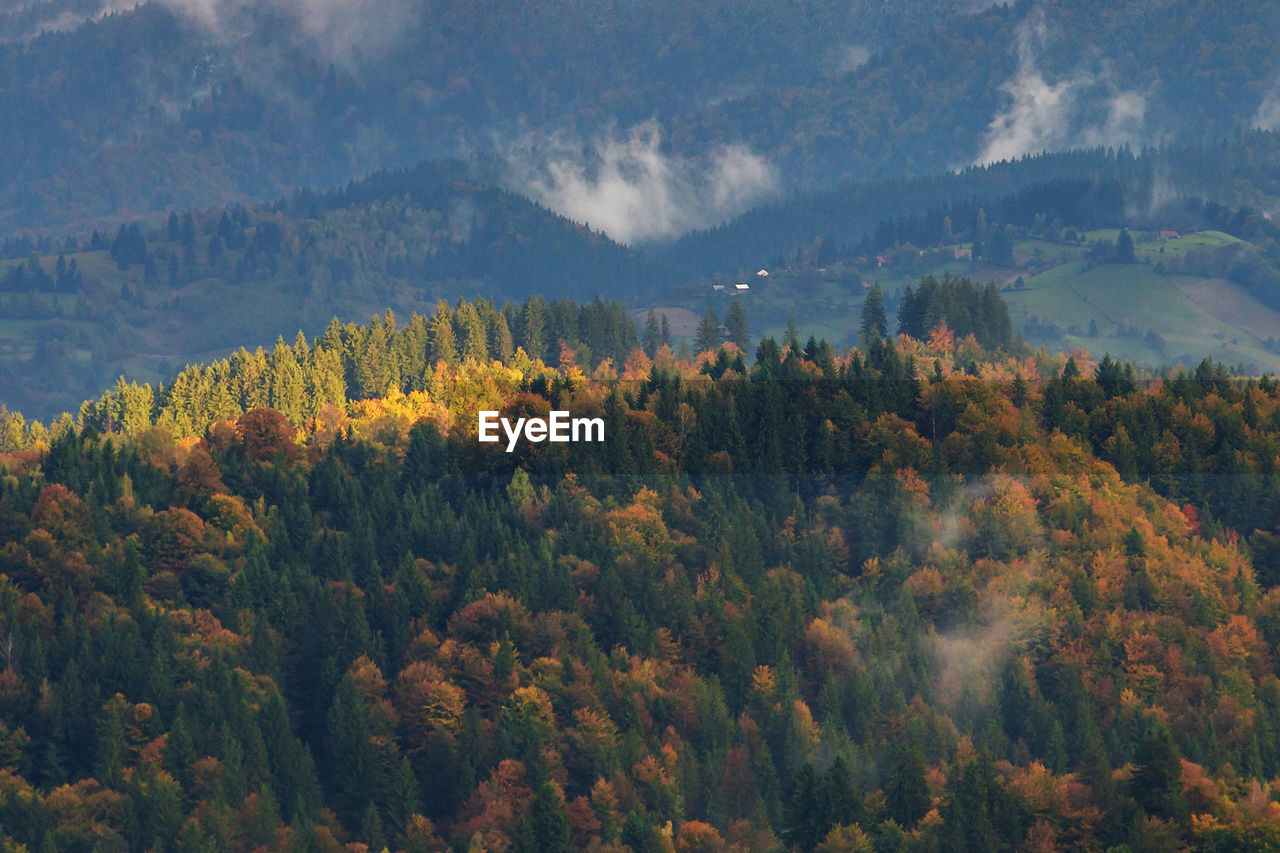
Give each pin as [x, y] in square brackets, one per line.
[145, 302]
[405, 238]
[146, 110]
[1020, 79]
[1083, 188]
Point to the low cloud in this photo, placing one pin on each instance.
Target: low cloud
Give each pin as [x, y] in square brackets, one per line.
[1268, 115]
[1164, 194]
[1085, 109]
[627, 187]
[846, 58]
[346, 32]
[38, 18]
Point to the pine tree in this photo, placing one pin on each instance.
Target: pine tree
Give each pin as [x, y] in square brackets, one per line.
[501, 346]
[549, 821]
[1124, 248]
[288, 385]
[652, 339]
[791, 338]
[475, 339]
[533, 335]
[907, 791]
[111, 748]
[806, 819]
[875, 325]
[1157, 781]
[709, 335]
[371, 827]
[444, 344]
[736, 325]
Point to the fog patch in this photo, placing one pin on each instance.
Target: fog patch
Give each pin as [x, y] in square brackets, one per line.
[845, 58]
[1268, 115]
[347, 32]
[1164, 194]
[463, 217]
[625, 186]
[970, 662]
[1087, 108]
[57, 18]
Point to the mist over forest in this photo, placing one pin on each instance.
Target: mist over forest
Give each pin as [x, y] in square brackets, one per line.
[925, 354]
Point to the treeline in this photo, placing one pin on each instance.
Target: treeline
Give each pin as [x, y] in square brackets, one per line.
[351, 362]
[964, 307]
[876, 600]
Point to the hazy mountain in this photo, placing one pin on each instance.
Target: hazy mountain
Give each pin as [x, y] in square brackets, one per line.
[603, 109]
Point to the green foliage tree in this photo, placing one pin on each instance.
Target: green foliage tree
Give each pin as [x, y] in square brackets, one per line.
[652, 337]
[710, 334]
[1123, 252]
[736, 326]
[906, 790]
[875, 326]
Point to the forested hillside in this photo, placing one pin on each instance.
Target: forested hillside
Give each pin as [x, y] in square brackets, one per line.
[932, 344]
[919, 596]
[146, 301]
[1082, 190]
[143, 299]
[125, 112]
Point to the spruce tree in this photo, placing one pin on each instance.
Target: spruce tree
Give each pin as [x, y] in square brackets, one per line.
[652, 339]
[533, 337]
[875, 325]
[737, 328]
[709, 335]
[791, 340]
[1124, 248]
[444, 343]
[907, 791]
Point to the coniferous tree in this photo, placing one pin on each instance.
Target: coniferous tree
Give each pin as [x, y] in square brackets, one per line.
[791, 338]
[1124, 253]
[501, 346]
[875, 326]
[548, 822]
[533, 333]
[709, 335]
[1157, 781]
[652, 338]
[737, 328]
[472, 333]
[907, 791]
[444, 345]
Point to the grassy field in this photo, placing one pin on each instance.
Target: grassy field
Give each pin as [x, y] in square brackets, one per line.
[1192, 318]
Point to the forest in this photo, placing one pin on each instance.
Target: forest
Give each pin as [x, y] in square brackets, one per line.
[138, 111]
[927, 594]
[145, 298]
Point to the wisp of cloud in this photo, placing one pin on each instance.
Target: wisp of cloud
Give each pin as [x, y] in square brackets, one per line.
[628, 188]
[343, 31]
[1044, 116]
